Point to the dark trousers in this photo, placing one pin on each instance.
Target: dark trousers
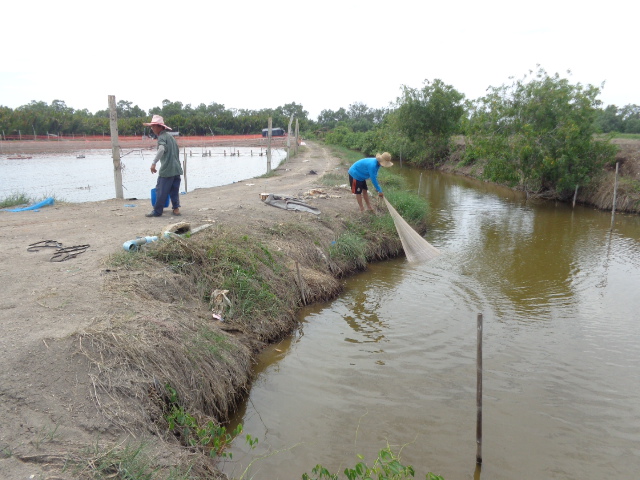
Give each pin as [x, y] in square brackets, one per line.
[167, 187]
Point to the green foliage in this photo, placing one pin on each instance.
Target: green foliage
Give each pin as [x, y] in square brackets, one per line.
[538, 133]
[414, 209]
[43, 120]
[621, 120]
[14, 200]
[386, 467]
[241, 265]
[429, 117]
[209, 438]
[350, 247]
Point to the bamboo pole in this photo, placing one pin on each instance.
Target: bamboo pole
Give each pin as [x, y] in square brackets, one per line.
[301, 284]
[575, 194]
[297, 136]
[269, 145]
[289, 138]
[420, 183]
[479, 393]
[115, 147]
[615, 198]
[184, 168]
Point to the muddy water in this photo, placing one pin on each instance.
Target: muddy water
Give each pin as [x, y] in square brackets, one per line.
[89, 179]
[393, 359]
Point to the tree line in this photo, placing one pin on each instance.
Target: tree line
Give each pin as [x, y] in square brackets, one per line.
[39, 118]
[539, 133]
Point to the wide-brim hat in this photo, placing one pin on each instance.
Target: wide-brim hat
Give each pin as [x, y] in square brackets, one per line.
[384, 159]
[157, 120]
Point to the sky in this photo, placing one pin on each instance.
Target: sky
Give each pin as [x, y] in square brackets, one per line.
[322, 55]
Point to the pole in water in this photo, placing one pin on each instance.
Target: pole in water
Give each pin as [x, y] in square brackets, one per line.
[479, 393]
[615, 198]
[420, 183]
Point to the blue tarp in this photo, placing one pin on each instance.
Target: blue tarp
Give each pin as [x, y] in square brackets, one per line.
[44, 203]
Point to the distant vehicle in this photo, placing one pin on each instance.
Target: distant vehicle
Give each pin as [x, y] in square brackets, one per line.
[275, 132]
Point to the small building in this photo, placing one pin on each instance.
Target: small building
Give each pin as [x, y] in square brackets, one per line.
[275, 132]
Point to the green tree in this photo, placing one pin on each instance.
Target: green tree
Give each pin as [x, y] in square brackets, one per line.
[608, 120]
[430, 116]
[538, 133]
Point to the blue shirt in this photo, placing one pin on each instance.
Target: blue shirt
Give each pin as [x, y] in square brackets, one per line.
[366, 168]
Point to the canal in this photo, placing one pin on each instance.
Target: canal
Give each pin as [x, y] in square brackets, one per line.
[392, 361]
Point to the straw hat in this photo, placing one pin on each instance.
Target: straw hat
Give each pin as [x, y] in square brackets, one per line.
[384, 159]
[156, 120]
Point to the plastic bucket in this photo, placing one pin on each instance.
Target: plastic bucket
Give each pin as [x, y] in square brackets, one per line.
[153, 199]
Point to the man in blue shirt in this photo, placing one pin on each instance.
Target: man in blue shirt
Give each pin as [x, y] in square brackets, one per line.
[364, 169]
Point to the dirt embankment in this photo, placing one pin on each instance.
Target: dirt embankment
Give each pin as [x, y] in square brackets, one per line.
[88, 343]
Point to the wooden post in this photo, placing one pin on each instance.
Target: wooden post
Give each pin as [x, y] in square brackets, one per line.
[301, 285]
[615, 198]
[420, 183]
[115, 148]
[289, 138]
[184, 168]
[269, 146]
[479, 393]
[297, 136]
[575, 194]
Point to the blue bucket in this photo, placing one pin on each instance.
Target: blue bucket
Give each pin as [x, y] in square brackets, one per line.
[153, 199]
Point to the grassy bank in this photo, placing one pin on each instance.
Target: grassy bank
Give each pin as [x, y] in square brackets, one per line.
[164, 369]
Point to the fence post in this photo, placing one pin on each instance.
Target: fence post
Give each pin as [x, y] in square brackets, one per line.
[184, 167]
[615, 198]
[269, 146]
[115, 147]
[289, 138]
[479, 393]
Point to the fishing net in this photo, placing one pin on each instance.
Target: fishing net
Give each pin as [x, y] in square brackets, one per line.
[416, 248]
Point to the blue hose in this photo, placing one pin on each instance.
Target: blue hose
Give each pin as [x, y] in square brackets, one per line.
[44, 203]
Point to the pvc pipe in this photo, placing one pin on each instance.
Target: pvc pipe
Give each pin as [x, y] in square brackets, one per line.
[133, 245]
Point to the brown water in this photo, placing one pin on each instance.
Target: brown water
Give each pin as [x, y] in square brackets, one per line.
[393, 360]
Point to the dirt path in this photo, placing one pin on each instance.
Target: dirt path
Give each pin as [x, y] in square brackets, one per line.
[44, 300]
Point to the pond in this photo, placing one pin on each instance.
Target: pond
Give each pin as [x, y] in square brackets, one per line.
[69, 178]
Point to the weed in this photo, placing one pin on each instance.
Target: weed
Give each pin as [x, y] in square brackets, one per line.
[130, 462]
[412, 208]
[386, 467]
[214, 343]
[14, 200]
[209, 438]
[334, 179]
[349, 247]
[46, 434]
[127, 260]
[272, 173]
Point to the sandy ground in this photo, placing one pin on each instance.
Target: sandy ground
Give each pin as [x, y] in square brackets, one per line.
[42, 391]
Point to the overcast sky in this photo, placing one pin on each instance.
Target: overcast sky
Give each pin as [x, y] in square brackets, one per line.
[321, 54]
